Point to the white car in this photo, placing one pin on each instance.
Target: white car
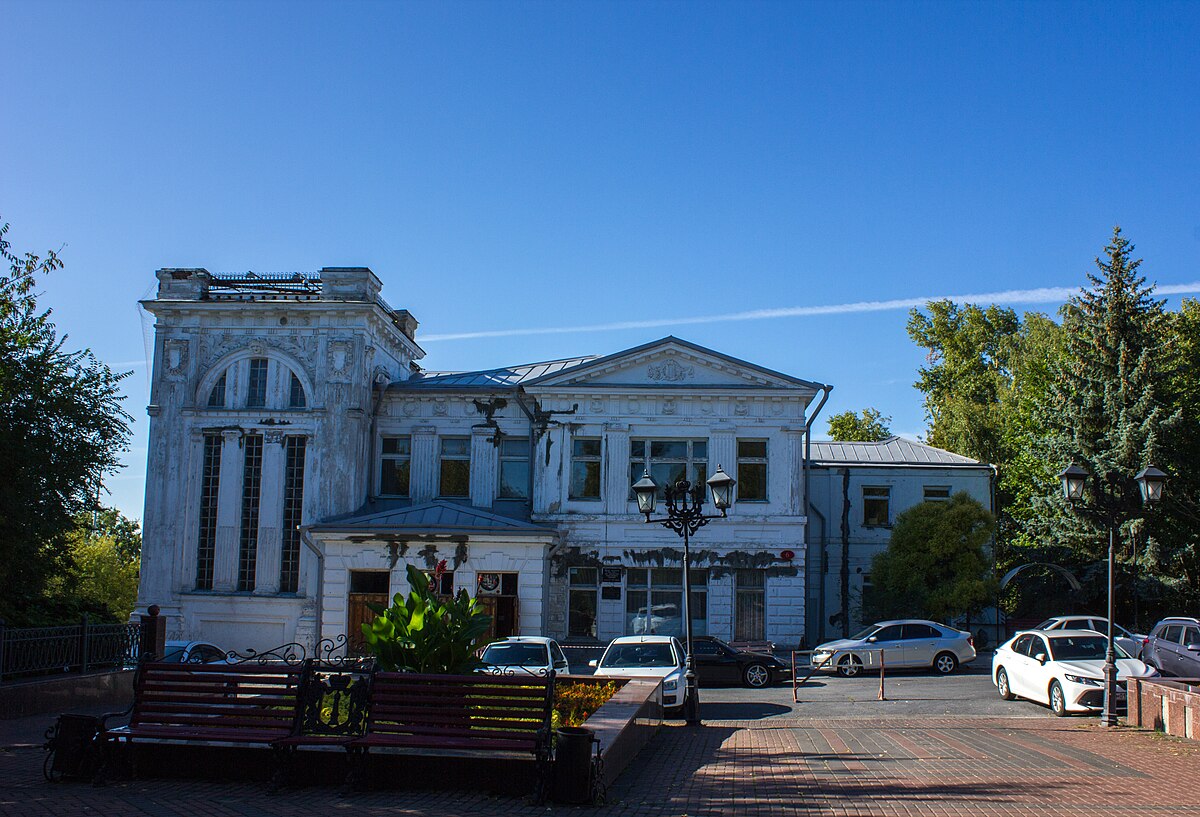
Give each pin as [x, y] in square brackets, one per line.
[193, 652]
[1130, 642]
[907, 643]
[533, 655]
[646, 656]
[1061, 668]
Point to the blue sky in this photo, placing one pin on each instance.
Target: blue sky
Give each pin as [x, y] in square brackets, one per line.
[531, 165]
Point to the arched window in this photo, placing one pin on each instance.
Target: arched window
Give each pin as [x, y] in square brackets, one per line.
[255, 383]
[295, 393]
[216, 397]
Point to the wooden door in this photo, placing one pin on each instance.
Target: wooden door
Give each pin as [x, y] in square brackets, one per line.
[358, 614]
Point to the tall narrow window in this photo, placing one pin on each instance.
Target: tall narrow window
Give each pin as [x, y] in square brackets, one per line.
[293, 507]
[581, 606]
[210, 484]
[752, 470]
[454, 478]
[394, 466]
[750, 605]
[216, 397]
[668, 461]
[296, 393]
[514, 468]
[585, 468]
[875, 506]
[256, 385]
[251, 484]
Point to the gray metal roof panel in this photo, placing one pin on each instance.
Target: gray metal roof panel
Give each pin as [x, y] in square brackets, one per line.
[892, 451]
[500, 378]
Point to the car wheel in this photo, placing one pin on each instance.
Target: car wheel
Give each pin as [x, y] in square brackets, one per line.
[756, 676]
[849, 666]
[945, 663]
[1058, 701]
[1002, 685]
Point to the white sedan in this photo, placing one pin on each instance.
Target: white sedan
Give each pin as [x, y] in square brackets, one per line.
[524, 654]
[1061, 668]
[646, 656]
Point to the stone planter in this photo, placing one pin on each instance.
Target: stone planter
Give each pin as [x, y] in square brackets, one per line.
[1168, 705]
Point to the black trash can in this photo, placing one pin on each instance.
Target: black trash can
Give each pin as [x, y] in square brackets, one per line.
[72, 744]
[573, 765]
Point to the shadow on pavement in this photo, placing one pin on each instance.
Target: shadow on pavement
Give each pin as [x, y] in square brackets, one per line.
[741, 711]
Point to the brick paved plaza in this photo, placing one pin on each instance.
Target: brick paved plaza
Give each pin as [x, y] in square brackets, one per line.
[777, 766]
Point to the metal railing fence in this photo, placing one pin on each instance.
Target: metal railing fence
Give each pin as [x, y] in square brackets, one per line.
[27, 651]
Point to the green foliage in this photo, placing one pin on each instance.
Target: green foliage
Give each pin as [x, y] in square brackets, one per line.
[423, 633]
[62, 428]
[935, 565]
[575, 701]
[870, 426]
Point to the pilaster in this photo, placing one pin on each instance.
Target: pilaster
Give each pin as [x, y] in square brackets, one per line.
[484, 466]
[270, 513]
[422, 475]
[616, 468]
[229, 511]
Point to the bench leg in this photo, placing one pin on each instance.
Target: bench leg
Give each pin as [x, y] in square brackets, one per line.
[356, 772]
[282, 775]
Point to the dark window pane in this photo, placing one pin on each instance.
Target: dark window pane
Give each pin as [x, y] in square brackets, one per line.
[585, 479]
[699, 450]
[397, 445]
[637, 449]
[455, 478]
[515, 447]
[667, 577]
[456, 447]
[514, 479]
[394, 479]
[668, 449]
[582, 613]
[296, 396]
[256, 388]
[586, 448]
[293, 508]
[752, 482]
[583, 576]
[752, 448]
[636, 576]
[667, 473]
[216, 398]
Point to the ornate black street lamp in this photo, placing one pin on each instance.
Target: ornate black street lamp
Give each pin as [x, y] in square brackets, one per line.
[685, 516]
[1110, 507]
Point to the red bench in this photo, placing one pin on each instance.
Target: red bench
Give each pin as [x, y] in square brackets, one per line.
[457, 714]
[249, 705]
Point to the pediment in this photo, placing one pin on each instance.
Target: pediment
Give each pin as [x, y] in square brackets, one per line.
[672, 363]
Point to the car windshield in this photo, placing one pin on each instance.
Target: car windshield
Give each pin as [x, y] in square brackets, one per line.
[861, 634]
[1046, 624]
[516, 655]
[639, 655]
[1082, 648]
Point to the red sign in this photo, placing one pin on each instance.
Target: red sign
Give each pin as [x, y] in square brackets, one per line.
[788, 555]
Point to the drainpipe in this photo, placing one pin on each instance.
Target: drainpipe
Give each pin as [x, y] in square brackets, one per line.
[308, 542]
[810, 508]
[380, 388]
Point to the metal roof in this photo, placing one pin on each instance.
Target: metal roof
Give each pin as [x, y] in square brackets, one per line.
[437, 516]
[505, 377]
[892, 451]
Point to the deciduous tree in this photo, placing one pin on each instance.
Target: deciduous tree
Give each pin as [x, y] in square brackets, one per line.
[870, 426]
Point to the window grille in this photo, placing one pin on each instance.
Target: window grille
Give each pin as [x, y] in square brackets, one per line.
[668, 461]
[514, 468]
[454, 479]
[394, 466]
[585, 468]
[293, 507]
[251, 483]
[210, 483]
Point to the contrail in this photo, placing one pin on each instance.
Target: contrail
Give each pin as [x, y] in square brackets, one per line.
[1042, 295]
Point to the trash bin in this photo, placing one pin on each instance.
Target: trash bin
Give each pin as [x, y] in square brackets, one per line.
[72, 747]
[573, 765]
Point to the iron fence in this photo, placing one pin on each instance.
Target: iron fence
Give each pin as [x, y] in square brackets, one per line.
[79, 647]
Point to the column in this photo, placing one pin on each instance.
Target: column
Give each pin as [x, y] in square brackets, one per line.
[616, 468]
[229, 511]
[270, 514]
[484, 465]
[422, 475]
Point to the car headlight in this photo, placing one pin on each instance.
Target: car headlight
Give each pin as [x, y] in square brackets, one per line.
[1081, 679]
[671, 684]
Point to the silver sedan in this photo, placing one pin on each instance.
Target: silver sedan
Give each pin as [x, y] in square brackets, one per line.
[906, 643]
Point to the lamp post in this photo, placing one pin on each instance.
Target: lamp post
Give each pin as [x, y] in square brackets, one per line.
[685, 516]
[1109, 508]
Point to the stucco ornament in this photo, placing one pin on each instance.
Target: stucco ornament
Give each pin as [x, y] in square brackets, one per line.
[670, 407]
[175, 350]
[670, 371]
[340, 352]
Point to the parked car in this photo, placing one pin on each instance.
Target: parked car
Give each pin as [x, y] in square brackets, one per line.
[1061, 668]
[719, 664]
[906, 643]
[646, 656]
[1173, 647]
[1130, 642]
[193, 652]
[534, 655]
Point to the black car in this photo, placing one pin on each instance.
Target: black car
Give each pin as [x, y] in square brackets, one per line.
[718, 664]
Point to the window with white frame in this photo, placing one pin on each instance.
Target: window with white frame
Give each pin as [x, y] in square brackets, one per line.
[394, 466]
[751, 470]
[454, 471]
[654, 601]
[210, 487]
[256, 384]
[295, 392]
[936, 493]
[876, 505]
[293, 508]
[668, 461]
[216, 397]
[514, 468]
[585, 468]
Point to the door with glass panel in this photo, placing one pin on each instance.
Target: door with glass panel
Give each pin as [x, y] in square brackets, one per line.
[750, 605]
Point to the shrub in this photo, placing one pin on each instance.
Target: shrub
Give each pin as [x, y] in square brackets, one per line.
[574, 702]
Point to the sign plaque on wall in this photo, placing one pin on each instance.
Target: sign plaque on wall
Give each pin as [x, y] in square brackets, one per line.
[610, 575]
[489, 584]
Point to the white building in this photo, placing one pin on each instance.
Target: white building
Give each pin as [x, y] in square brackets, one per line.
[300, 459]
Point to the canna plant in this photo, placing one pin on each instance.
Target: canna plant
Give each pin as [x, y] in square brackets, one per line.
[423, 633]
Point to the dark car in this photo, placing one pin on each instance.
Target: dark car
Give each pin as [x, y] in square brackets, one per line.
[1173, 647]
[718, 664]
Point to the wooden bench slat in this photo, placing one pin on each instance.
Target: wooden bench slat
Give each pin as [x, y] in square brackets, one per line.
[433, 742]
